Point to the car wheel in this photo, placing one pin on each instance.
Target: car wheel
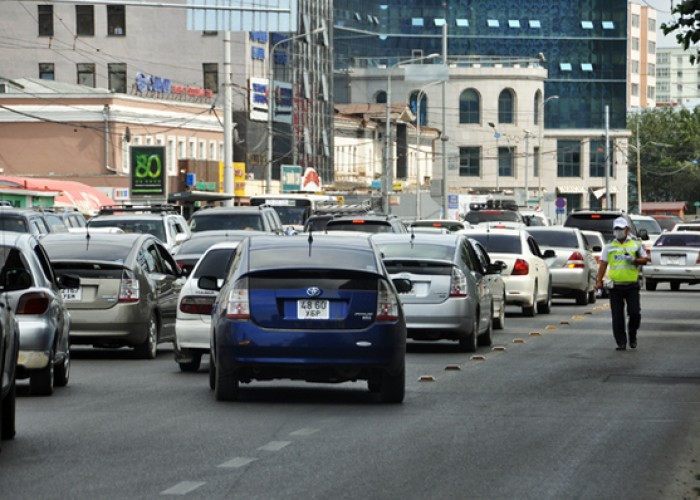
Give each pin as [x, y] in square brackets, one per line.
[41, 381]
[62, 371]
[393, 386]
[500, 322]
[149, 348]
[675, 285]
[546, 306]
[225, 387]
[374, 383]
[191, 366]
[581, 297]
[650, 285]
[467, 342]
[7, 414]
[484, 339]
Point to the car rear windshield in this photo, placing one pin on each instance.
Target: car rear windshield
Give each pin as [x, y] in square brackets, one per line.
[417, 251]
[668, 222]
[313, 257]
[215, 263]
[499, 243]
[395, 266]
[478, 216]
[90, 270]
[226, 220]
[593, 240]
[154, 227]
[561, 239]
[365, 226]
[110, 251]
[449, 225]
[198, 245]
[678, 240]
[592, 222]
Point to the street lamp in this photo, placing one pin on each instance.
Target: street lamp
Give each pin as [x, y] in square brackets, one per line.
[420, 94]
[540, 116]
[271, 103]
[388, 168]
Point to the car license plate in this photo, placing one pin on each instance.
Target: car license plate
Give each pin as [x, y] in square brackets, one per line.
[312, 309]
[72, 294]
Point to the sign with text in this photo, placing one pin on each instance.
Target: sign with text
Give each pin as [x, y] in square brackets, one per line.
[148, 172]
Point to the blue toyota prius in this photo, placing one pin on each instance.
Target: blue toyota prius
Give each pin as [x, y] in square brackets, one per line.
[319, 308]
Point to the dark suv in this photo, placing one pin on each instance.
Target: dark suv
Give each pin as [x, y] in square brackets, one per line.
[23, 220]
[261, 218]
[599, 220]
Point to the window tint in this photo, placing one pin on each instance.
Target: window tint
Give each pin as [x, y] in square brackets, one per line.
[678, 240]
[14, 223]
[499, 243]
[318, 257]
[563, 239]
[111, 250]
[366, 226]
[417, 251]
[215, 263]
[154, 227]
[477, 216]
[217, 221]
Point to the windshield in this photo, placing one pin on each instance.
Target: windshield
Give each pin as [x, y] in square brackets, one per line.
[499, 243]
[477, 216]
[650, 225]
[154, 227]
[226, 220]
[295, 216]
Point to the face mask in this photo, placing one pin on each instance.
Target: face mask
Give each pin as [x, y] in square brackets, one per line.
[619, 234]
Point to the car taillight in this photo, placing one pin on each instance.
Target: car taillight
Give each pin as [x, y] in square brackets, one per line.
[33, 303]
[458, 283]
[387, 303]
[575, 261]
[520, 268]
[197, 304]
[238, 304]
[129, 287]
[697, 261]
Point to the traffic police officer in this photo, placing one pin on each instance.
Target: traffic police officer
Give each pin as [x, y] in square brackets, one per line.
[621, 258]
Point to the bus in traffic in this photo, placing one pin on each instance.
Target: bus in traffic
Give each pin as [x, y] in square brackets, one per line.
[295, 208]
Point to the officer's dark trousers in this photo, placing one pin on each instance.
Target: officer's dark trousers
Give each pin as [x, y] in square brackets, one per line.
[621, 295]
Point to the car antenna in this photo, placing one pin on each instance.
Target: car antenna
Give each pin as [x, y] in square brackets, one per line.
[87, 237]
[310, 239]
[413, 237]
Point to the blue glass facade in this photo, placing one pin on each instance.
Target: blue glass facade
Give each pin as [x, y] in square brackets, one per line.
[584, 43]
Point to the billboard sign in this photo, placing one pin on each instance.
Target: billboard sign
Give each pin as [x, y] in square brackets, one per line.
[148, 173]
[242, 15]
[291, 177]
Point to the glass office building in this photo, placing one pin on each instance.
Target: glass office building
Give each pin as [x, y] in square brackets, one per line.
[583, 42]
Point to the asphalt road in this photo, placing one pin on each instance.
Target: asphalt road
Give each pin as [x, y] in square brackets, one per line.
[557, 413]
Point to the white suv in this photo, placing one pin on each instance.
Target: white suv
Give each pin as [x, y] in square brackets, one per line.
[162, 221]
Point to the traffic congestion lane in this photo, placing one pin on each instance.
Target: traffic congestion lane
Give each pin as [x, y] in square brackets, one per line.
[542, 417]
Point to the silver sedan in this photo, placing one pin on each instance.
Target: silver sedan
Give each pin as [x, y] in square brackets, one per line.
[675, 259]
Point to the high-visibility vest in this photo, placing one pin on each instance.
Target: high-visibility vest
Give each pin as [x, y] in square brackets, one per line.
[619, 269]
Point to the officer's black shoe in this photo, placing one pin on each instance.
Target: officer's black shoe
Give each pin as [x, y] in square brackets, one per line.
[633, 344]
[621, 348]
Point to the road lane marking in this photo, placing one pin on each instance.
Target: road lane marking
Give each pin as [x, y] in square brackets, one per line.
[274, 445]
[183, 488]
[306, 431]
[237, 462]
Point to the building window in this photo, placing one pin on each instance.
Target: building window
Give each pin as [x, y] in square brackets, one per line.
[506, 107]
[651, 92]
[85, 20]
[652, 47]
[586, 67]
[211, 76]
[470, 162]
[535, 24]
[651, 69]
[492, 23]
[116, 20]
[469, 104]
[47, 71]
[380, 98]
[413, 102]
[439, 21]
[417, 21]
[597, 162]
[86, 74]
[568, 159]
[634, 66]
[181, 149]
[587, 25]
[652, 25]
[513, 23]
[505, 162]
[45, 20]
[212, 150]
[608, 25]
[635, 20]
[192, 150]
[635, 43]
[116, 73]
[565, 66]
[635, 89]
[462, 23]
[202, 150]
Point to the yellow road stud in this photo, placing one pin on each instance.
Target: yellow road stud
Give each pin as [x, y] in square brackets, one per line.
[550, 327]
[498, 348]
[518, 341]
[426, 378]
[453, 367]
[478, 357]
[535, 334]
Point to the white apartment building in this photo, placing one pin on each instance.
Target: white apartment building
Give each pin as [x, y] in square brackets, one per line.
[678, 81]
[642, 90]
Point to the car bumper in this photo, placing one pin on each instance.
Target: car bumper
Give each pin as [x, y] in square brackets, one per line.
[447, 320]
[519, 290]
[192, 332]
[125, 324]
[569, 280]
[666, 273]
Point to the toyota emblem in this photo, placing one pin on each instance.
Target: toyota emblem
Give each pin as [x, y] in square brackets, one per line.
[313, 291]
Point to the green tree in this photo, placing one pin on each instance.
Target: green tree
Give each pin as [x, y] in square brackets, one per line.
[669, 149]
[686, 24]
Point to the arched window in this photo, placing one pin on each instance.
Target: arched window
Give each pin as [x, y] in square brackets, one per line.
[506, 106]
[380, 98]
[538, 103]
[469, 104]
[423, 106]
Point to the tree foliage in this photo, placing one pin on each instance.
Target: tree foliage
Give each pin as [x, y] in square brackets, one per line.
[669, 149]
[686, 24]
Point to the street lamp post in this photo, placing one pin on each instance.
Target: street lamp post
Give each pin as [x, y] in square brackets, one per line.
[497, 135]
[387, 177]
[271, 103]
[418, 171]
[528, 134]
[540, 136]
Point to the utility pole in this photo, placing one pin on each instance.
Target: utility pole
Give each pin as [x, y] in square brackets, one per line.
[639, 168]
[228, 121]
[607, 158]
[443, 136]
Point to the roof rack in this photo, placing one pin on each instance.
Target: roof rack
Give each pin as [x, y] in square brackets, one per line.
[499, 204]
[363, 208]
[162, 209]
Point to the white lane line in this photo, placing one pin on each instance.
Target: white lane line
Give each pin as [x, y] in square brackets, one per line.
[237, 462]
[275, 445]
[307, 431]
[183, 488]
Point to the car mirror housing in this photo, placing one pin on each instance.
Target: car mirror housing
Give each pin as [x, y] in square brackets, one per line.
[402, 285]
[208, 283]
[643, 234]
[495, 267]
[597, 248]
[548, 254]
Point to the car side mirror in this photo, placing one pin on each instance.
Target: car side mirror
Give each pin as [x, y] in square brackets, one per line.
[209, 283]
[495, 267]
[597, 248]
[402, 285]
[548, 254]
[68, 281]
[643, 234]
[180, 237]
